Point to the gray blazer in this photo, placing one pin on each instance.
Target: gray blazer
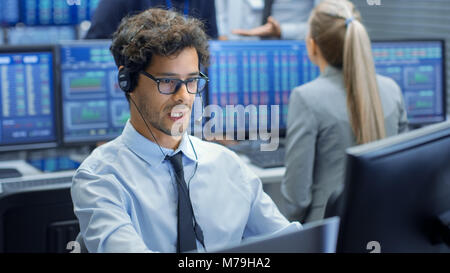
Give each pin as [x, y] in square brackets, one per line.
[318, 132]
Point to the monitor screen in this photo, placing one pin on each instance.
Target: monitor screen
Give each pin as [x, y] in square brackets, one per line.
[56, 12]
[27, 84]
[418, 68]
[94, 107]
[265, 72]
[256, 75]
[397, 194]
[9, 12]
[40, 35]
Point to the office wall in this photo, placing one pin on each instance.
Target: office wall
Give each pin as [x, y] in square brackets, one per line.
[414, 19]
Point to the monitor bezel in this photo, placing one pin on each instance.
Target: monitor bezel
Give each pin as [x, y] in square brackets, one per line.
[444, 82]
[56, 92]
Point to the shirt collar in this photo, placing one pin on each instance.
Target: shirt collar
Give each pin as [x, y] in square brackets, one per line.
[149, 150]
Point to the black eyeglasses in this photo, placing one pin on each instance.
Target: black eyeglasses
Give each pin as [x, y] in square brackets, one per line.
[170, 86]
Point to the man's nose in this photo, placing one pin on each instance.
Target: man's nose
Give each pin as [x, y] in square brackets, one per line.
[181, 92]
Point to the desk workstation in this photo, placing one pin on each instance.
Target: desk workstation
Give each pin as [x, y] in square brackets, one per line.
[65, 99]
[78, 102]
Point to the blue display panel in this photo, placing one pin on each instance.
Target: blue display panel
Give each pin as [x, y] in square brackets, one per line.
[257, 73]
[94, 107]
[27, 99]
[265, 72]
[417, 67]
[40, 35]
[9, 12]
[56, 12]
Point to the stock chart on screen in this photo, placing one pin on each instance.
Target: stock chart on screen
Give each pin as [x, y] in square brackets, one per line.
[27, 98]
[257, 74]
[94, 107]
[265, 72]
[56, 12]
[418, 68]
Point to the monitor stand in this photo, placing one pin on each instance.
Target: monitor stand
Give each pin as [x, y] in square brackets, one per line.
[9, 173]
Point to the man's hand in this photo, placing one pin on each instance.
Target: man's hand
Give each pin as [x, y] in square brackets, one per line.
[270, 29]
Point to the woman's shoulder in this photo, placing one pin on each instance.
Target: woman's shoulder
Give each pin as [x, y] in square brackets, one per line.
[388, 87]
[386, 82]
[320, 89]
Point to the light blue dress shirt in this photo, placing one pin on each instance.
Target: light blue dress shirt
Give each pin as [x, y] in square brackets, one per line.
[293, 17]
[125, 196]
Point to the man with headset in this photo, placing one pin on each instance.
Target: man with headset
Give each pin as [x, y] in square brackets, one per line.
[155, 188]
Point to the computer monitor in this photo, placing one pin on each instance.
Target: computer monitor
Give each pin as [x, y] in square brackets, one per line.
[9, 12]
[396, 196]
[56, 12]
[28, 80]
[315, 237]
[94, 107]
[85, 9]
[418, 67]
[265, 72]
[36, 35]
[255, 74]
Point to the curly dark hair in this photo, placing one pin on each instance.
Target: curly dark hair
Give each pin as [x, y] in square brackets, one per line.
[160, 32]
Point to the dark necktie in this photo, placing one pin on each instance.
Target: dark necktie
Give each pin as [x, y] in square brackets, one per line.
[267, 11]
[186, 232]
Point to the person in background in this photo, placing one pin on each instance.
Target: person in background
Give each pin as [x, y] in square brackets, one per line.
[235, 14]
[347, 105]
[282, 19]
[109, 13]
[155, 188]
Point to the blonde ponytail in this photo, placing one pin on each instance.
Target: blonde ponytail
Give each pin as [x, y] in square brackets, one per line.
[344, 42]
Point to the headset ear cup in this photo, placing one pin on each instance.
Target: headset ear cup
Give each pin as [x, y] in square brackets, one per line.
[124, 80]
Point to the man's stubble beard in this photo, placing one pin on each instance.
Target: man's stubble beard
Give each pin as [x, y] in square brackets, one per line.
[157, 121]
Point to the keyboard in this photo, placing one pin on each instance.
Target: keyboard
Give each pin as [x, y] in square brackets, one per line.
[267, 159]
[44, 181]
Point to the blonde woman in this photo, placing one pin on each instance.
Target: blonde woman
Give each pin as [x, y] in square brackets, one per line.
[348, 104]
